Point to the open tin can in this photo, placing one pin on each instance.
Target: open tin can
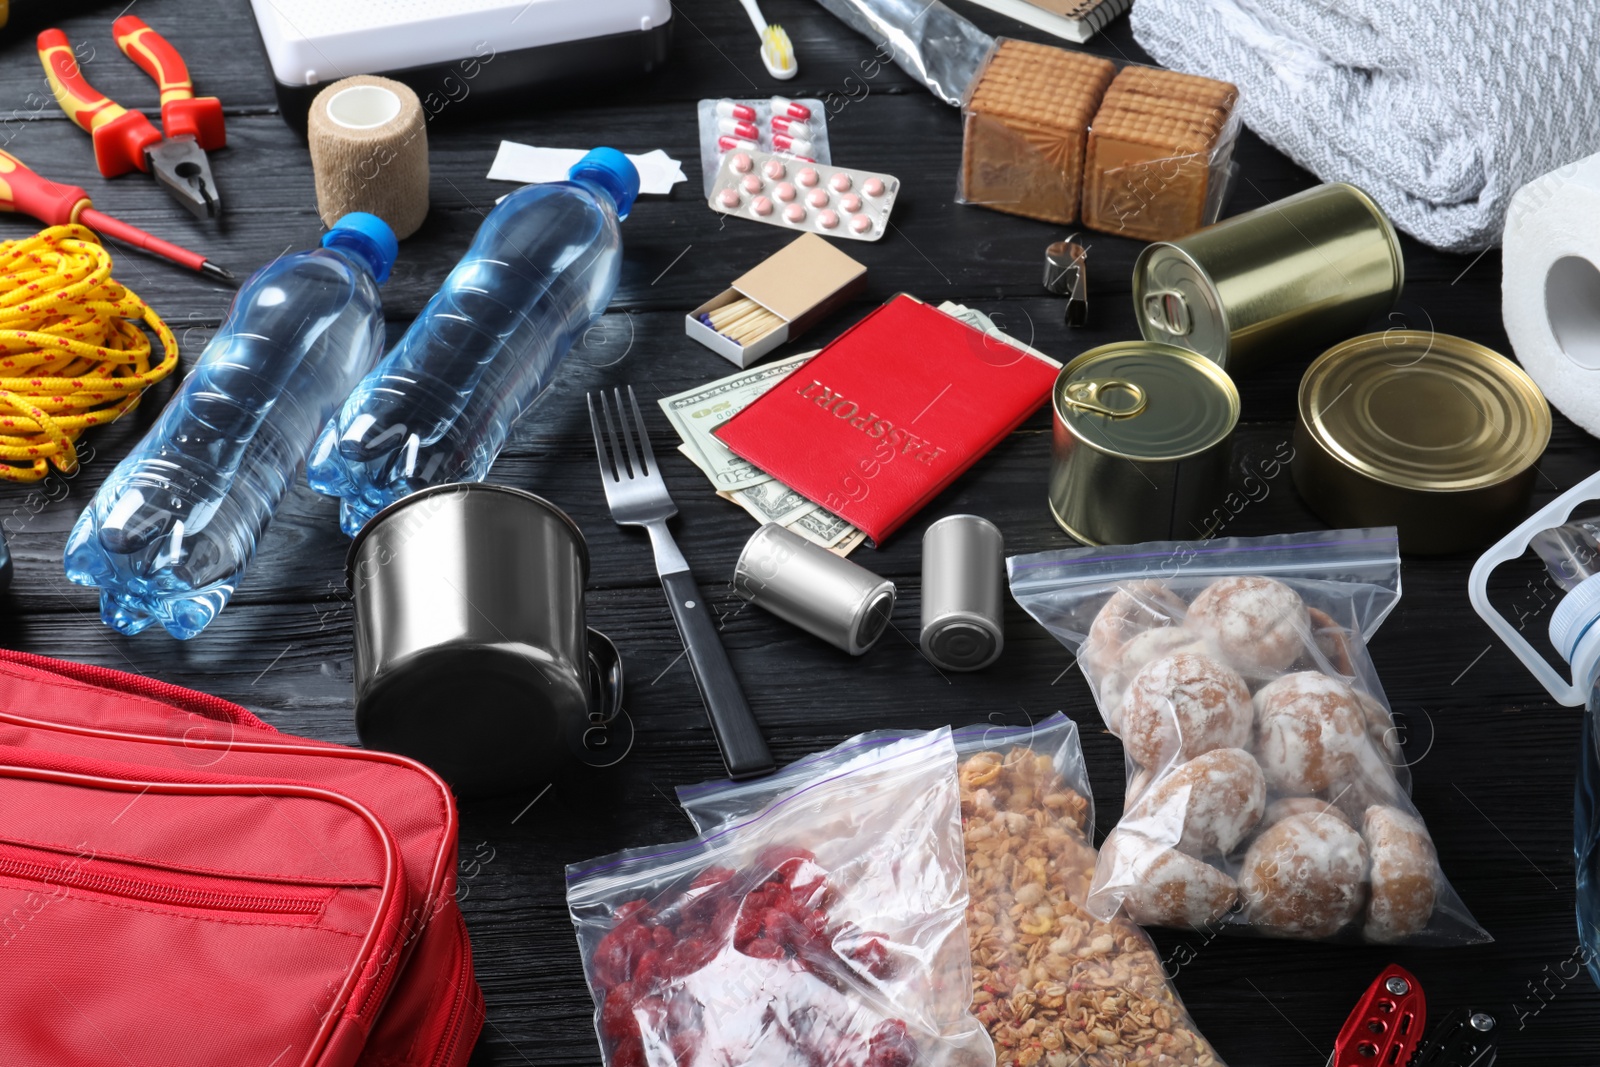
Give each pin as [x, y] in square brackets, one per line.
[1142, 442]
[472, 650]
[1293, 276]
[1432, 434]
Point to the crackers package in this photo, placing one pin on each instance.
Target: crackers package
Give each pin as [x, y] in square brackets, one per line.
[1056, 135]
[1159, 154]
[1026, 124]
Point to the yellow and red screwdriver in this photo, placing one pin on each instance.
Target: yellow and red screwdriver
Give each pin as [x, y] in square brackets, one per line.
[24, 191]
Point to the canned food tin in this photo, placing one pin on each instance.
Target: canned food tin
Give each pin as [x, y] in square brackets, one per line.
[1294, 276]
[1430, 433]
[1142, 440]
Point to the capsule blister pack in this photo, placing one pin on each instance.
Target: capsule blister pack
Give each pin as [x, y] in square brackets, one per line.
[805, 197]
[796, 127]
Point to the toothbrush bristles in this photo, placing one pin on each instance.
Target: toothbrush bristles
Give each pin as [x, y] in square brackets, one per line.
[780, 50]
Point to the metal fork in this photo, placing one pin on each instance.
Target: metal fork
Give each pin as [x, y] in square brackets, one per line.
[638, 496]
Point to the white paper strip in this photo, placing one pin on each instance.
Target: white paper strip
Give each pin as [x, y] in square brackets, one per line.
[658, 172]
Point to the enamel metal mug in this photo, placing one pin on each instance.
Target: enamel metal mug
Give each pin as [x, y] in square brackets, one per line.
[472, 651]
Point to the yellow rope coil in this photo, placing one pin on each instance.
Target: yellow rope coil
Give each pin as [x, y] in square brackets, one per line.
[71, 353]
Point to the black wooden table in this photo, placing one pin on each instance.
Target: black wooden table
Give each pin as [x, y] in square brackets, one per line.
[1493, 757]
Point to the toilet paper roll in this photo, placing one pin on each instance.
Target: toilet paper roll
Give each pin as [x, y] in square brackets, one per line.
[1551, 287]
[369, 152]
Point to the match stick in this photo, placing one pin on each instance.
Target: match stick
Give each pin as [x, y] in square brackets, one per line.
[729, 312]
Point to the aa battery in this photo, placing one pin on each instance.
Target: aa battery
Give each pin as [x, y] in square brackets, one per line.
[807, 586]
[963, 581]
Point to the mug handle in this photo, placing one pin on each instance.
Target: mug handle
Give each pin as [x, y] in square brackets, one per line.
[609, 735]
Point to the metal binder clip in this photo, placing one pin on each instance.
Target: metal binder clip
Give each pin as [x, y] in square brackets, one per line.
[1066, 273]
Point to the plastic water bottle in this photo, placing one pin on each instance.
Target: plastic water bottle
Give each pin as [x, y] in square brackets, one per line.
[439, 407]
[1571, 552]
[170, 533]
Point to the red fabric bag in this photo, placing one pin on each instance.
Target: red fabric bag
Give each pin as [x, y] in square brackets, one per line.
[180, 884]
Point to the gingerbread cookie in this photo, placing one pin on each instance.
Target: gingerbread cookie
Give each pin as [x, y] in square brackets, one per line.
[1303, 877]
[1181, 706]
[1160, 886]
[1405, 874]
[1259, 624]
[1309, 732]
[1205, 806]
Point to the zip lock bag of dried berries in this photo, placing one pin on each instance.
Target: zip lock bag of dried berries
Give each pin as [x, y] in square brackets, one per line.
[826, 929]
[1054, 986]
[1267, 782]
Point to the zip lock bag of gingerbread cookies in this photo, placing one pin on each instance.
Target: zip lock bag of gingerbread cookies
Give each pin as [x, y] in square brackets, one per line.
[1052, 985]
[1268, 784]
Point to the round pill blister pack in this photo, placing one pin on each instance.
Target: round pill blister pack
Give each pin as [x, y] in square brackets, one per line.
[798, 194]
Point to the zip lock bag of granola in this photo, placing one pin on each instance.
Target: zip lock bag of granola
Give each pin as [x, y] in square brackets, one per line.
[1053, 986]
[1267, 784]
[824, 929]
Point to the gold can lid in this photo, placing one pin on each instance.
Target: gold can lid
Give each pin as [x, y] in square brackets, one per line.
[1424, 411]
[1176, 302]
[1145, 400]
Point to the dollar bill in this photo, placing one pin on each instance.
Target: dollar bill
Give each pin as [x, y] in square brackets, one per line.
[981, 322]
[821, 527]
[771, 501]
[851, 542]
[695, 413]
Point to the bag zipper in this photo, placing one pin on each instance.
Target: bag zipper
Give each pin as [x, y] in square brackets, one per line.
[468, 995]
[64, 874]
[1236, 566]
[212, 707]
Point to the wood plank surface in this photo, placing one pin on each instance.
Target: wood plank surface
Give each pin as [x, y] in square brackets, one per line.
[1493, 757]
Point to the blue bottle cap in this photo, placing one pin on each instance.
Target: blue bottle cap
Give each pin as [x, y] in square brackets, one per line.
[366, 236]
[613, 172]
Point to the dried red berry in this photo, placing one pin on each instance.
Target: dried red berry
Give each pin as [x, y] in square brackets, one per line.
[616, 1016]
[613, 962]
[891, 1046]
[631, 909]
[647, 969]
[684, 1047]
[629, 1052]
[872, 953]
[762, 949]
[712, 878]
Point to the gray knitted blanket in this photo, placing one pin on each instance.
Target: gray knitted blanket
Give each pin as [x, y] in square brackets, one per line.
[1440, 109]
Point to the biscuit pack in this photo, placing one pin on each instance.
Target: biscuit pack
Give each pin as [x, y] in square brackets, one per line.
[1267, 786]
[1062, 136]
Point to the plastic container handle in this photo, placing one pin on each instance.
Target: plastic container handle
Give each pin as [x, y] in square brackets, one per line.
[1568, 691]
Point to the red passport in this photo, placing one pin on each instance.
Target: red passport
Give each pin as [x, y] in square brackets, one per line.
[881, 420]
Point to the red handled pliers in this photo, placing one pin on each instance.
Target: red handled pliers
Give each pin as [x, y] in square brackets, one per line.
[125, 140]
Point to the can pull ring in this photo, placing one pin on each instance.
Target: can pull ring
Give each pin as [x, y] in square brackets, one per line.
[1568, 691]
[1111, 397]
[1168, 311]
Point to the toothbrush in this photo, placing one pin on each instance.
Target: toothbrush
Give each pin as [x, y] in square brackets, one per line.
[777, 51]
